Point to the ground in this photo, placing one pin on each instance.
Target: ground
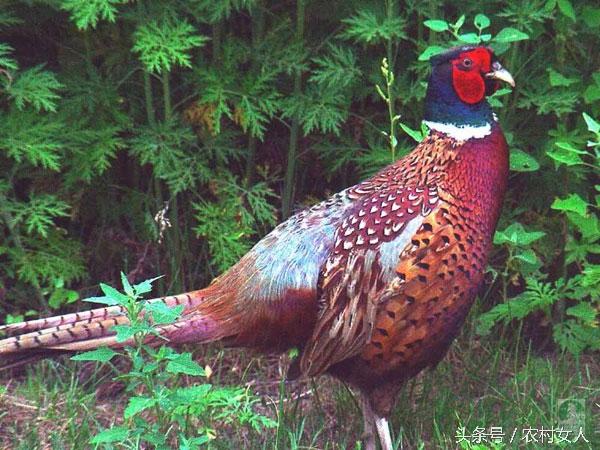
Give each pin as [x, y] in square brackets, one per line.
[491, 390]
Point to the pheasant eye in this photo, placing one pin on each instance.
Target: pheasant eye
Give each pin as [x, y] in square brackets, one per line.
[467, 62]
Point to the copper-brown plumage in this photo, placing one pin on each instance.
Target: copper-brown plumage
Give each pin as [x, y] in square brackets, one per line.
[373, 284]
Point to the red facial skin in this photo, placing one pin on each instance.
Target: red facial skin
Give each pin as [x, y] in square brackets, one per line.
[467, 74]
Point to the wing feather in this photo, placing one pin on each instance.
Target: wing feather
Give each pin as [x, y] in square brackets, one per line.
[368, 245]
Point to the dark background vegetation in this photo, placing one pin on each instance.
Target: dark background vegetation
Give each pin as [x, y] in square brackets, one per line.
[229, 115]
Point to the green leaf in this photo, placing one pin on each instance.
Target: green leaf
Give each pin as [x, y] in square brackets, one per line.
[481, 21]
[87, 13]
[111, 292]
[104, 300]
[566, 7]
[192, 394]
[527, 256]
[126, 285]
[494, 99]
[469, 38]
[145, 286]
[430, 51]
[592, 125]
[437, 25]
[33, 138]
[537, 295]
[37, 87]
[371, 28]
[516, 235]
[102, 354]
[591, 16]
[126, 332]
[557, 79]
[14, 319]
[574, 336]
[39, 214]
[588, 226]
[522, 162]
[583, 311]
[460, 22]
[337, 69]
[566, 154]
[137, 405]
[114, 434]
[165, 44]
[163, 314]
[61, 296]
[415, 134]
[6, 62]
[183, 363]
[573, 203]
[509, 34]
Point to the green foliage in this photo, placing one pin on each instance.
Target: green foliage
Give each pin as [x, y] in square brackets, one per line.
[165, 44]
[481, 22]
[199, 106]
[230, 223]
[31, 140]
[576, 298]
[39, 213]
[336, 69]
[7, 62]
[160, 411]
[368, 27]
[112, 109]
[36, 87]
[215, 11]
[87, 13]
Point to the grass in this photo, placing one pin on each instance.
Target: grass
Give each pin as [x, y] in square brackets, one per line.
[482, 382]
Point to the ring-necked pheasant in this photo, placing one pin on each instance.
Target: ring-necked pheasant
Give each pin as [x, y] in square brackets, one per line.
[373, 284]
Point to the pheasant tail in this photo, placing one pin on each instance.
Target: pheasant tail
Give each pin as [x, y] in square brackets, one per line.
[36, 339]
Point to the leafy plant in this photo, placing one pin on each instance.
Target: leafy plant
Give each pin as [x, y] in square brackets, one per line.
[160, 411]
[578, 329]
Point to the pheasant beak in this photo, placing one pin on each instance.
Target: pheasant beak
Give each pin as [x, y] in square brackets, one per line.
[500, 73]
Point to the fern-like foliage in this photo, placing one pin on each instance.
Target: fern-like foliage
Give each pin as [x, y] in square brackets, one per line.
[318, 111]
[87, 13]
[91, 152]
[36, 87]
[538, 295]
[213, 11]
[39, 213]
[167, 148]
[370, 27]
[229, 224]
[41, 261]
[163, 44]
[32, 139]
[6, 61]
[336, 69]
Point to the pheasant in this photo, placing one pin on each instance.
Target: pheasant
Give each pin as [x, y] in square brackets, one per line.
[373, 284]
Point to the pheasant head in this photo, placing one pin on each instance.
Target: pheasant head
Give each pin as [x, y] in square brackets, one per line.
[460, 81]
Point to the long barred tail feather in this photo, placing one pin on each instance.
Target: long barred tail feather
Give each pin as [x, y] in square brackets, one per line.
[41, 338]
[188, 299]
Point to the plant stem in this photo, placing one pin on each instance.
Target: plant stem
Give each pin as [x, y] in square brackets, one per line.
[148, 97]
[258, 28]
[166, 95]
[389, 82]
[250, 161]
[288, 184]
[150, 114]
[217, 32]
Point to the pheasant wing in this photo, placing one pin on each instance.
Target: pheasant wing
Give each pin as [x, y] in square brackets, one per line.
[359, 271]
